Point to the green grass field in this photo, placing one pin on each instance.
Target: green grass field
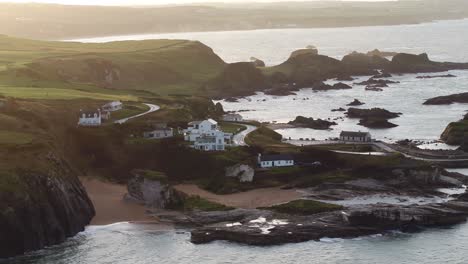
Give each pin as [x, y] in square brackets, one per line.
[158, 66]
[59, 94]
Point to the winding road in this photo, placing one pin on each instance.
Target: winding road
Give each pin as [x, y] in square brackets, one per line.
[153, 108]
[239, 139]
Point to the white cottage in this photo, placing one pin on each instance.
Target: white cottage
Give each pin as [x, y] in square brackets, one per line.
[270, 161]
[206, 135]
[232, 118]
[112, 106]
[90, 118]
[355, 136]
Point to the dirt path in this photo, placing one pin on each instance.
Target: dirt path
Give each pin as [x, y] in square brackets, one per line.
[110, 207]
[251, 199]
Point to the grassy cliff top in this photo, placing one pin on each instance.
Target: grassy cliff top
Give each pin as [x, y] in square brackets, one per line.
[156, 66]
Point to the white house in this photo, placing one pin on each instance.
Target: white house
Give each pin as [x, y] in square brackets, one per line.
[159, 133]
[206, 135]
[232, 118]
[112, 106]
[90, 118]
[270, 161]
[355, 136]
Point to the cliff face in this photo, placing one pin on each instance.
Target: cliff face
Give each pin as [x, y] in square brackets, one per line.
[41, 210]
[42, 201]
[52, 210]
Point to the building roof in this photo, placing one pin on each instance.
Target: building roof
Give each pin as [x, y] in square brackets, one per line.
[276, 157]
[354, 134]
[212, 121]
[89, 113]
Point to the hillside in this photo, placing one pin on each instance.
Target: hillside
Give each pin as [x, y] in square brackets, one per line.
[40, 21]
[156, 66]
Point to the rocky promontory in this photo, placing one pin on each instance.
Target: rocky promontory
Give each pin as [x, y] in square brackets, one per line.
[456, 133]
[304, 220]
[447, 100]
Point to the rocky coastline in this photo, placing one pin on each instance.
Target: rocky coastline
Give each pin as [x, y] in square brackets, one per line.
[268, 226]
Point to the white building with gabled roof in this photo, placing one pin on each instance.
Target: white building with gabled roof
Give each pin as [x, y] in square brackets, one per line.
[232, 118]
[206, 135]
[112, 106]
[350, 136]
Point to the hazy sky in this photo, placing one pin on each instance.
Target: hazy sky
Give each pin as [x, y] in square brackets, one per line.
[148, 2]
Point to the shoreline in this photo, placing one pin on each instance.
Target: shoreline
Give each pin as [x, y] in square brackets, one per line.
[110, 207]
[93, 38]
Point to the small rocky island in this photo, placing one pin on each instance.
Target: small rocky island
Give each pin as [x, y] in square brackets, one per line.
[373, 118]
[447, 100]
[356, 102]
[309, 122]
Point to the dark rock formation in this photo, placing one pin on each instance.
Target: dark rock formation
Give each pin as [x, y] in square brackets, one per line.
[281, 90]
[307, 69]
[326, 87]
[456, 133]
[362, 64]
[239, 79]
[341, 109]
[44, 211]
[356, 102]
[436, 76]
[341, 86]
[373, 88]
[306, 122]
[371, 113]
[152, 193]
[449, 99]
[376, 123]
[373, 118]
[382, 75]
[307, 51]
[410, 63]
[347, 223]
[377, 82]
[379, 53]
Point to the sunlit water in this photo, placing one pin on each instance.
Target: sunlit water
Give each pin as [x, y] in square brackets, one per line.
[137, 244]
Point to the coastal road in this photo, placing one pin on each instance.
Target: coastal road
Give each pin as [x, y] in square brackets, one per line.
[153, 108]
[387, 148]
[239, 139]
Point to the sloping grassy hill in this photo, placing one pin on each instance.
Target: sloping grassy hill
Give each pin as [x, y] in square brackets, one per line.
[157, 66]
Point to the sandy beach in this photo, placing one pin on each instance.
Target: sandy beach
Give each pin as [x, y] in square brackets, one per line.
[248, 200]
[110, 207]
